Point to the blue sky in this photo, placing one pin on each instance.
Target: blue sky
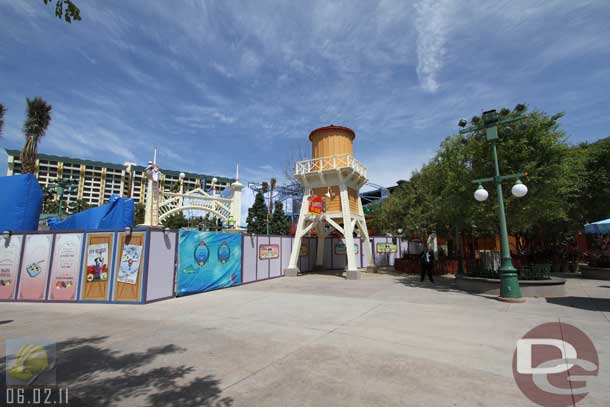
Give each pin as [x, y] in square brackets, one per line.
[215, 83]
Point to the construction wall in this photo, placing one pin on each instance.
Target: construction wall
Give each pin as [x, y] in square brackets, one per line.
[149, 264]
[75, 266]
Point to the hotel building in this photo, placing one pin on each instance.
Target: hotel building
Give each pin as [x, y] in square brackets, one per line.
[96, 181]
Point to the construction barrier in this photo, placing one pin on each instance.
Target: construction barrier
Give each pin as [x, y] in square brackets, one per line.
[142, 265]
[128, 266]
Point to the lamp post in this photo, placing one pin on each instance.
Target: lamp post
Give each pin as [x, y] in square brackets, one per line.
[509, 282]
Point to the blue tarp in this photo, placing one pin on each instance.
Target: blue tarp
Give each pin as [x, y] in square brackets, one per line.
[601, 227]
[117, 214]
[20, 203]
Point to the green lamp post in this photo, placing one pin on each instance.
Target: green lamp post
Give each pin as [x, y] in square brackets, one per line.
[509, 281]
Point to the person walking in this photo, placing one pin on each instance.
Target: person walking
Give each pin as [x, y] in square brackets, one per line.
[427, 265]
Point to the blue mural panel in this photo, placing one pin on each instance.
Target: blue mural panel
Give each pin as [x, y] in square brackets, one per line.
[208, 261]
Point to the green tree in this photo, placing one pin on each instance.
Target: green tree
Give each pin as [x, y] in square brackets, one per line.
[34, 128]
[65, 9]
[175, 221]
[257, 215]
[139, 213]
[49, 204]
[2, 111]
[439, 196]
[280, 224]
[272, 185]
[595, 182]
[79, 205]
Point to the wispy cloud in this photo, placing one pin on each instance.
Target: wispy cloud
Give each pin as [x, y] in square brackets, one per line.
[432, 24]
[215, 83]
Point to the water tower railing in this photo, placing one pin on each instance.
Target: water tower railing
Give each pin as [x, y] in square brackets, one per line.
[330, 163]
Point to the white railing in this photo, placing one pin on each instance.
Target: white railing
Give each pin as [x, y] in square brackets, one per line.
[330, 163]
[193, 200]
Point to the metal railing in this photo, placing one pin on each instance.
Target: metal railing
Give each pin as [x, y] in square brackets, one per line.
[330, 163]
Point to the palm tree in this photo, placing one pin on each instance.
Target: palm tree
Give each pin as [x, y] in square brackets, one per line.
[2, 110]
[272, 187]
[34, 128]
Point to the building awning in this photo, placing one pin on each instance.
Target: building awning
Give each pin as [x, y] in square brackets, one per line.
[600, 227]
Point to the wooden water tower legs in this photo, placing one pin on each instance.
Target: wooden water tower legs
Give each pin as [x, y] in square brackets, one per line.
[293, 270]
[350, 223]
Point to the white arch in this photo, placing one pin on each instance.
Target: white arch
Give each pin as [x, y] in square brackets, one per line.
[192, 207]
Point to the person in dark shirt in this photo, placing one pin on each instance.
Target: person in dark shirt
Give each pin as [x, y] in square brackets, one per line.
[427, 265]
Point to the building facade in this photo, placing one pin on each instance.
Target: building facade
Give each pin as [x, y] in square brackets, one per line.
[95, 181]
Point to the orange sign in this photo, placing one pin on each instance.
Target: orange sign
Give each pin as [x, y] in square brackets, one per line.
[315, 205]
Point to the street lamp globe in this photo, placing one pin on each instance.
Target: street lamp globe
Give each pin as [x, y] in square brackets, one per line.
[481, 194]
[519, 189]
[182, 175]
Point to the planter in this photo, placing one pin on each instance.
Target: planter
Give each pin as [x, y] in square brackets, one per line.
[555, 287]
[596, 273]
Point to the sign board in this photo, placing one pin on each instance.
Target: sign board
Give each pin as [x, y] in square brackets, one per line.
[208, 261]
[268, 251]
[304, 250]
[341, 249]
[386, 248]
[10, 254]
[315, 205]
[35, 267]
[65, 267]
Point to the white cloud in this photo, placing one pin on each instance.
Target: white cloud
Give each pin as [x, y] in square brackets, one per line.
[432, 26]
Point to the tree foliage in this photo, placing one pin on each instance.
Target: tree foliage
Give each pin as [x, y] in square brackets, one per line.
[257, 215]
[175, 221]
[595, 183]
[439, 197]
[280, 224]
[2, 111]
[79, 205]
[65, 9]
[139, 213]
[35, 126]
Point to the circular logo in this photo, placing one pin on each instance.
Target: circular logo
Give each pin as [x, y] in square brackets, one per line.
[552, 364]
[201, 253]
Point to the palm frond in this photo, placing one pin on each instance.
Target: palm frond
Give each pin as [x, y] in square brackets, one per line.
[38, 118]
[2, 110]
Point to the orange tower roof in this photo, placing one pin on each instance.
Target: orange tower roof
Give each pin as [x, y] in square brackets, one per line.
[332, 127]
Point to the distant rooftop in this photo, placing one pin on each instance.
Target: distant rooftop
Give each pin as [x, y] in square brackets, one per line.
[50, 157]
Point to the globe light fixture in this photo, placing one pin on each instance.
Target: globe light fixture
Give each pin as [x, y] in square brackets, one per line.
[481, 194]
[519, 189]
[182, 175]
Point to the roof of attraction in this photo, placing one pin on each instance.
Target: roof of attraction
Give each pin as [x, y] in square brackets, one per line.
[332, 127]
[50, 157]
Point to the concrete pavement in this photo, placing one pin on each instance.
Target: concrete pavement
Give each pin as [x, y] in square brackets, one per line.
[315, 340]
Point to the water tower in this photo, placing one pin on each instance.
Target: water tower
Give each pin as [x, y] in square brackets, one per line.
[332, 180]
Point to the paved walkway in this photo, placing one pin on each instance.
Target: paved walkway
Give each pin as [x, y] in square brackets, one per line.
[315, 340]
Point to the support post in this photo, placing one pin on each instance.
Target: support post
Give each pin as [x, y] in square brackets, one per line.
[352, 272]
[321, 236]
[293, 270]
[364, 235]
[509, 282]
[236, 187]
